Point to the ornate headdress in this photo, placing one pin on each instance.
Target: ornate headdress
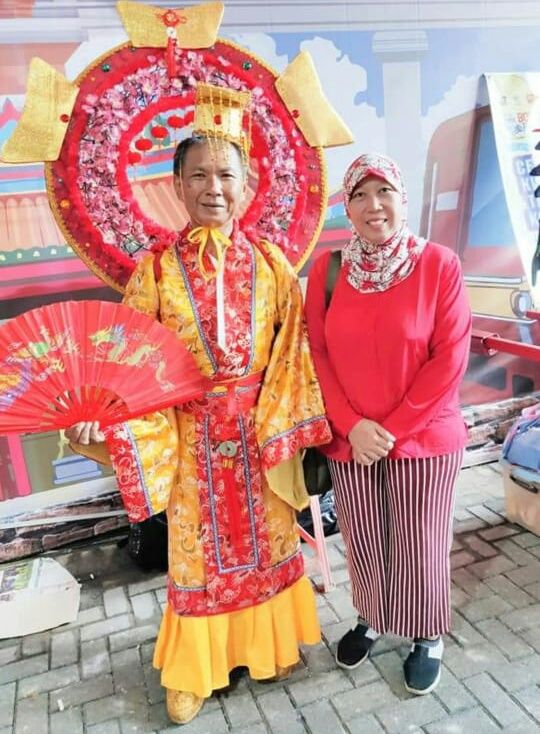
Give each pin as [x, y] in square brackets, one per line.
[123, 108]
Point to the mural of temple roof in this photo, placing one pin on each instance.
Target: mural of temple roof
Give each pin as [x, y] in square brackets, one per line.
[28, 230]
[27, 223]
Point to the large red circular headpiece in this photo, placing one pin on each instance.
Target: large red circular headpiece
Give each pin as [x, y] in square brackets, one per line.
[128, 107]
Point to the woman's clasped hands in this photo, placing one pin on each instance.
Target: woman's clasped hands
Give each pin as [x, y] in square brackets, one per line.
[370, 441]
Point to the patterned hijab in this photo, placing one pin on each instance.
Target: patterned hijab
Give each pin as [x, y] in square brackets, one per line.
[372, 266]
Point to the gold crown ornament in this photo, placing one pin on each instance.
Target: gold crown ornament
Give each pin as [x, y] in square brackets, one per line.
[300, 89]
[43, 123]
[220, 113]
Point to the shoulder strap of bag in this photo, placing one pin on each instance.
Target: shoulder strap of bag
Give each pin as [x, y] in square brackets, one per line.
[334, 264]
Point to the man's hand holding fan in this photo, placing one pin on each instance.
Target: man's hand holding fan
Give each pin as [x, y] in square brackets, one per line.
[85, 433]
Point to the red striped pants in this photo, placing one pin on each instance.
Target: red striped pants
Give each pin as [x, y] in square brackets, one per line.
[396, 520]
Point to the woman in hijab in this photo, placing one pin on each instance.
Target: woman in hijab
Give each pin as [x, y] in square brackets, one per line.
[390, 350]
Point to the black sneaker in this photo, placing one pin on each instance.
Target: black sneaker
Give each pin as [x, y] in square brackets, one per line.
[422, 668]
[354, 647]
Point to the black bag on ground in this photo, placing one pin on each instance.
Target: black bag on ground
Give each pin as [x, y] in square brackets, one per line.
[316, 472]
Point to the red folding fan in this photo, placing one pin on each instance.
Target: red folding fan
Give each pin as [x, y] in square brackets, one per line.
[89, 360]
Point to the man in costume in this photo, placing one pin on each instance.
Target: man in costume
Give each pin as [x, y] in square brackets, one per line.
[226, 467]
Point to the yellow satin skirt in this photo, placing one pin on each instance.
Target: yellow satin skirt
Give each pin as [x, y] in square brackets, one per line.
[196, 654]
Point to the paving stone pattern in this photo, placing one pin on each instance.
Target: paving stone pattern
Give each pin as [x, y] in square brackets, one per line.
[95, 676]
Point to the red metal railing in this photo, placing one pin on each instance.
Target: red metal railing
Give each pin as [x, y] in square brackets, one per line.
[483, 342]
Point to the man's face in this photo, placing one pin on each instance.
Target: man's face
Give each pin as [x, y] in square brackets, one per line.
[211, 184]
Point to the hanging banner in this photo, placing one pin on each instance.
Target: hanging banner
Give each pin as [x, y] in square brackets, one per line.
[515, 109]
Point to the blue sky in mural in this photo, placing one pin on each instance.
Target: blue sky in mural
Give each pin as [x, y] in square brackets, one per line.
[473, 52]
[356, 45]
[451, 53]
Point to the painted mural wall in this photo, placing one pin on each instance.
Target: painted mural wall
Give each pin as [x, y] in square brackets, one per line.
[407, 78]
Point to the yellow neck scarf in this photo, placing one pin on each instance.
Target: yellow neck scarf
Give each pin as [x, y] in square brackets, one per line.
[200, 236]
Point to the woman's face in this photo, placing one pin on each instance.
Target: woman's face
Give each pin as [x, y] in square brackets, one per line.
[375, 210]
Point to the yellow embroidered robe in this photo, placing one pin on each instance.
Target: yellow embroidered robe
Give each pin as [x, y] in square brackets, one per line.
[175, 461]
[226, 467]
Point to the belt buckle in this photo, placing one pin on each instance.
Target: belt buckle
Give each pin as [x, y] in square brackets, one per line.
[228, 449]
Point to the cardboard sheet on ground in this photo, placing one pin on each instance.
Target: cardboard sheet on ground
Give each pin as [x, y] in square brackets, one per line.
[36, 595]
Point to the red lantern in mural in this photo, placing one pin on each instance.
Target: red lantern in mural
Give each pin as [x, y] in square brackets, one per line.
[134, 157]
[143, 144]
[175, 121]
[159, 132]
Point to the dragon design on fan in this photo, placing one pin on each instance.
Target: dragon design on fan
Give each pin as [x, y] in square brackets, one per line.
[142, 354]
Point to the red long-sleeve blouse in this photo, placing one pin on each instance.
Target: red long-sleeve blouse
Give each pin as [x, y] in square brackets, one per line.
[396, 357]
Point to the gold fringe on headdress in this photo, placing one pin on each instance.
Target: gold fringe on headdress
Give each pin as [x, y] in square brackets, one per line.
[193, 27]
[219, 114]
[300, 89]
[47, 109]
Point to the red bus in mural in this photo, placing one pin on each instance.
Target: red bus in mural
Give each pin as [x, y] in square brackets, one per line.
[464, 207]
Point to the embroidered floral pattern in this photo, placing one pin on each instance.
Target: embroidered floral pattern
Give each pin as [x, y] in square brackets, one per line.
[285, 445]
[239, 286]
[195, 602]
[128, 473]
[143, 468]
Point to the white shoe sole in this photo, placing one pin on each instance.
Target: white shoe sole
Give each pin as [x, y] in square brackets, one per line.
[424, 691]
[351, 667]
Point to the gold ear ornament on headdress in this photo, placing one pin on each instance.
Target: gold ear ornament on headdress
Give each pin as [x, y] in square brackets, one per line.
[300, 89]
[41, 129]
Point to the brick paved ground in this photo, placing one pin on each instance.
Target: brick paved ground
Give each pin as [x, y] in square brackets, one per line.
[95, 676]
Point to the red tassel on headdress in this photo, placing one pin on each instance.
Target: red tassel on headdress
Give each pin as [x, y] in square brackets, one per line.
[171, 62]
[171, 19]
